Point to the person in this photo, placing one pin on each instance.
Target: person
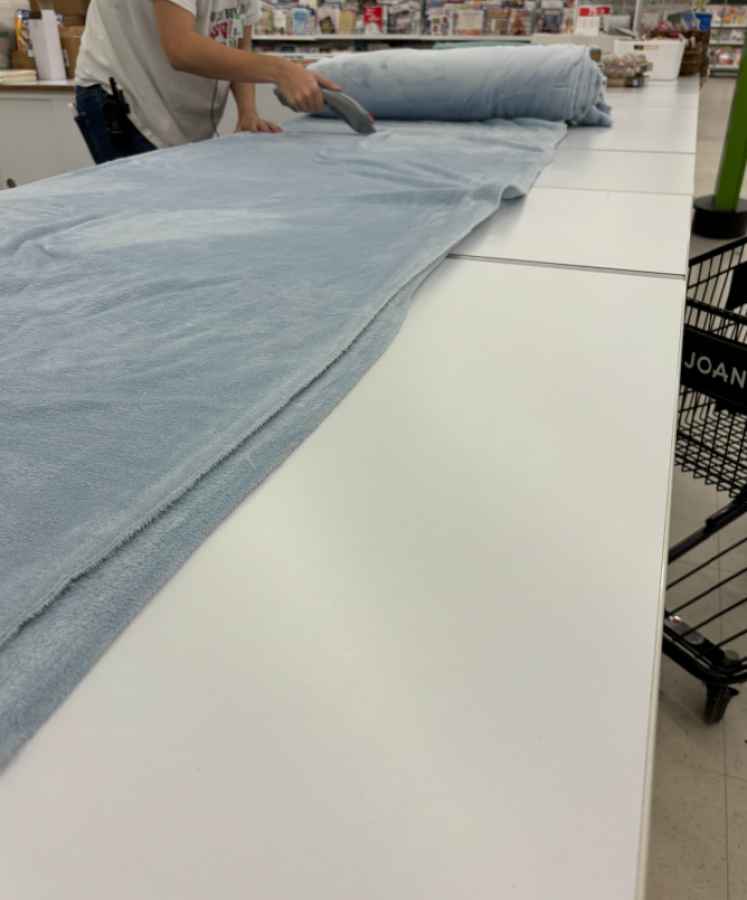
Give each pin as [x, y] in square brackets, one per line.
[156, 73]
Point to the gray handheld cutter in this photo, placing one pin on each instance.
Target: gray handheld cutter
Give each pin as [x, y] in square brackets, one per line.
[349, 110]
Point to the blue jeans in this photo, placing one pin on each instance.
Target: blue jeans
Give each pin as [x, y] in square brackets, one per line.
[92, 126]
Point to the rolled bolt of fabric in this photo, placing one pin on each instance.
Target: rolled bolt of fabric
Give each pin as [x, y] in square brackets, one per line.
[557, 83]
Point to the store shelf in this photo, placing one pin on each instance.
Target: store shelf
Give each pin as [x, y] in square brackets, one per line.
[722, 34]
[314, 38]
[304, 59]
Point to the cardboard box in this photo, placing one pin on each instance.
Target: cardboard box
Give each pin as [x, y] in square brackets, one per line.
[19, 59]
[73, 21]
[72, 7]
[66, 7]
[70, 39]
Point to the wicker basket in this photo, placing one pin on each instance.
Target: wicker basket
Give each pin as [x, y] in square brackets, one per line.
[692, 62]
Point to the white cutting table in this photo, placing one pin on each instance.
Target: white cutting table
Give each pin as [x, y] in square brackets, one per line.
[420, 662]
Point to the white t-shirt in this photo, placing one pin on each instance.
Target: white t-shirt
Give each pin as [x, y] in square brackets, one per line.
[169, 107]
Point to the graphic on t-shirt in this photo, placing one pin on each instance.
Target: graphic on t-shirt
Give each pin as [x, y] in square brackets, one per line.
[227, 26]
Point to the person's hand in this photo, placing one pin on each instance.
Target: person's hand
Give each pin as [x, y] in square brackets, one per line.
[301, 88]
[252, 122]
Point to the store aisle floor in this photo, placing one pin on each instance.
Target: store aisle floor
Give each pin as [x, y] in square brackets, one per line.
[713, 118]
[698, 847]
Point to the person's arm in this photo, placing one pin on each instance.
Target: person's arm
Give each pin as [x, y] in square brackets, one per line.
[188, 51]
[244, 93]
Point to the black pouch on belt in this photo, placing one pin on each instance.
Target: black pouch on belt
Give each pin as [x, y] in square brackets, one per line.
[115, 109]
[81, 120]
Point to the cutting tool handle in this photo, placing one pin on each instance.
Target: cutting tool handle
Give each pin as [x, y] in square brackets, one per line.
[349, 110]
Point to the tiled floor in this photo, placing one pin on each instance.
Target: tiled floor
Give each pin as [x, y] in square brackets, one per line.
[698, 848]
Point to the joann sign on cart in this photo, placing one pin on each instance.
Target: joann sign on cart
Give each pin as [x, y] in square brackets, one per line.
[714, 364]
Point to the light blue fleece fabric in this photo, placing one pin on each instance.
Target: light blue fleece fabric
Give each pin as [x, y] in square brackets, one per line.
[558, 83]
[173, 325]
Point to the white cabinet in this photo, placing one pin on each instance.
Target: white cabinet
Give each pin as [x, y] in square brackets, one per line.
[38, 136]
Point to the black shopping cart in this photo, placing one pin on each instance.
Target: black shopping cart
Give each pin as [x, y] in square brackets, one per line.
[705, 633]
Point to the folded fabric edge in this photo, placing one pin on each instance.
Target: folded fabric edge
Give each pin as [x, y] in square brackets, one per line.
[104, 594]
[187, 485]
[103, 597]
[147, 521]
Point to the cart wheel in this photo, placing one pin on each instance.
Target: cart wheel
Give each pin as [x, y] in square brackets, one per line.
[716, 702]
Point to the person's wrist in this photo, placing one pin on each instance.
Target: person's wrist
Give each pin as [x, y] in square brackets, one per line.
[280, 67]
[246, 106]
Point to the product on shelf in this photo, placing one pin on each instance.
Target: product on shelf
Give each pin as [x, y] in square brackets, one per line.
[520, 23]
[403, 18]
[440, 21]
[433, 18]
[328, 18]
[734, 15]
[550, 21]
[302, 21]
[18, 76]
[22, 30]
[265, 24]
[496, 19]
[468, 21]
[664, 28]
[728, 57]
[373, 20]
[281, 19]
[627, 66]
[71, 30]
[348, 20]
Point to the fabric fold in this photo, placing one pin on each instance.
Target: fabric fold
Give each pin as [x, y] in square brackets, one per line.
[173, 326]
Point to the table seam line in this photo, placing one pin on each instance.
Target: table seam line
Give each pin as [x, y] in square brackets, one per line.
[560, 187]
[576, 267]
[627, 150]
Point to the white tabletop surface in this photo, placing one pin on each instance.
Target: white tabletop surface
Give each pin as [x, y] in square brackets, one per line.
[618, 170]
[621, 196]
[659, 129]
[607, 229]
[420, 661]
[417, 662]
[683, 92]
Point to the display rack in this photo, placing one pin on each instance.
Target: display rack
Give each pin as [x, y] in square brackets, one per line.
[411, 22]
[717, 40]
[646, 13]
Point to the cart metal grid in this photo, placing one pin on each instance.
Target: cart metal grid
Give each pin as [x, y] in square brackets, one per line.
[711, 642]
